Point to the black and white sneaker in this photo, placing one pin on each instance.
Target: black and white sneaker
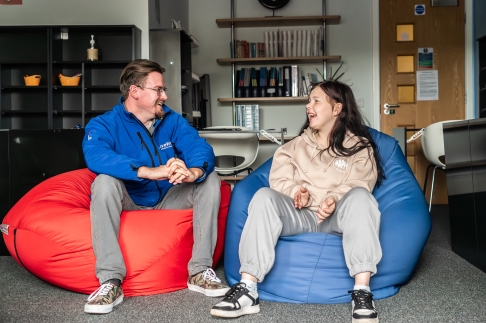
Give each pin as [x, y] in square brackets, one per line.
[238, 301]
[363, 307]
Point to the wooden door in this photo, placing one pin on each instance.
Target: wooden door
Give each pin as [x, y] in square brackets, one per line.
[402, 33]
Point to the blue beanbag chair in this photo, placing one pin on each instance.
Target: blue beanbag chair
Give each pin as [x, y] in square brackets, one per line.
[310, 267]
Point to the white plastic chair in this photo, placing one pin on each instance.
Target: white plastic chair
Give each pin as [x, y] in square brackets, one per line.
[433, 148]
[235, 150]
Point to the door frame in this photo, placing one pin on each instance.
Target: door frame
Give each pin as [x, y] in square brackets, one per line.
[470, 112]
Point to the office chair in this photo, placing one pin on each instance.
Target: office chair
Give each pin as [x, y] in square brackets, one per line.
[235, 150]
[433, 148]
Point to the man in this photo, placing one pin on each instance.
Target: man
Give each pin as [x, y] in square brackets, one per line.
[147, 156]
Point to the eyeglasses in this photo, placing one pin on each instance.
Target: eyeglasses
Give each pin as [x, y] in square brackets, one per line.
[159, 90]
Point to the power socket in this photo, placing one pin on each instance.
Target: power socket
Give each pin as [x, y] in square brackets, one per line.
[360, 103]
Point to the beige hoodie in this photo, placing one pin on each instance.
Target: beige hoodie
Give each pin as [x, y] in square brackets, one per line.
[302, 162]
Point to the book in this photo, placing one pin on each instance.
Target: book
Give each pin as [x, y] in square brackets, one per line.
[307, 85]
[283, 45]
[263, 76]
[313, 78]
[280, 76]
[299, 43]
[289, 43]
[238, 117]
[294, 43]
[275, 44]
[267, 47]
[287, 82]
[294, 76]
[304, 43]
[241, 113]
[255, 117]
[307, 43]
[248, 116]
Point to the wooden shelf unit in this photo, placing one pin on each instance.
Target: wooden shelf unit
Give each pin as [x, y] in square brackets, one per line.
[253, 22]
[300, 59]
[277, 21]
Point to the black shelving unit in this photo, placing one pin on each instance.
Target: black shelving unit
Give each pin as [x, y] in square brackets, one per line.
[482, 76]
[53, 50]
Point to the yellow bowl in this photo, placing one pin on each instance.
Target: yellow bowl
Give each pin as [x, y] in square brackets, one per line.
[32, 80]
[69, 80]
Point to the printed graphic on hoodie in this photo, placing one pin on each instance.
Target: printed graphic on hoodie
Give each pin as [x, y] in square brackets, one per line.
[341, 165]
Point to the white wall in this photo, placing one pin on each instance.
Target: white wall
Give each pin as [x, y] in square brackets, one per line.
[352, 38]
[80, 12]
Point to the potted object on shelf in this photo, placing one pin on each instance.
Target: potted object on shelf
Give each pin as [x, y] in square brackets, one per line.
[70, 80]
[32, 80]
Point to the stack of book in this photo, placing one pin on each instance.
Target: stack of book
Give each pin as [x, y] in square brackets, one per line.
[247, 115]
[273, 82]
[282, 43]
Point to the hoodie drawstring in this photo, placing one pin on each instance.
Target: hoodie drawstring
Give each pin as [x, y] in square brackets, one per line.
[310, 160]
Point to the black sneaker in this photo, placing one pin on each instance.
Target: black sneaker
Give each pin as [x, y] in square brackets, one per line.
[363, 307]
[238, 301]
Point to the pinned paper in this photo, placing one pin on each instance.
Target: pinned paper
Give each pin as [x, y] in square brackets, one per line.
[427, 85]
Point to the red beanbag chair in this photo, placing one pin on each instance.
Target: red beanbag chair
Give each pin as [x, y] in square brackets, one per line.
[48, 232]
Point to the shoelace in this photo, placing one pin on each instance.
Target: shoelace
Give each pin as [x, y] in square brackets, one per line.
[101, 291]
[362, 300]
[210, 275]
[234, 291]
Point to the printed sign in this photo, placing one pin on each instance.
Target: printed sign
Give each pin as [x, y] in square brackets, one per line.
[425, 58]
[419, 10]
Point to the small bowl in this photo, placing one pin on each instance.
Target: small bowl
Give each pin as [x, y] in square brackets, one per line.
[32, 80]
[69, 80]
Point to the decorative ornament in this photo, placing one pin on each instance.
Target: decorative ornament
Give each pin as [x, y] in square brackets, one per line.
[273, 4]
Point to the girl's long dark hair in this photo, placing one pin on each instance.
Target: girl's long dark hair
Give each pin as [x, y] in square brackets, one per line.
[349, 119]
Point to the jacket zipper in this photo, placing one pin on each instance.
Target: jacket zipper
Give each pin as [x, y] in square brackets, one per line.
[153, 163]
[156, 152]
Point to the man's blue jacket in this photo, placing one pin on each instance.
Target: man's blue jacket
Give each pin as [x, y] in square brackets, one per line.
[117, 144]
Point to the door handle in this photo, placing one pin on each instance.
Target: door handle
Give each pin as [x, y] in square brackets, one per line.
[388, 106]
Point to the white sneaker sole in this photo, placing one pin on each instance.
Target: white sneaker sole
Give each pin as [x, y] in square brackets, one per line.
[102, 309]
[231, 314]
[208, 292]
[375, 320]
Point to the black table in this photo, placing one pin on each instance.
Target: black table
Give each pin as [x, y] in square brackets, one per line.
[465, 159]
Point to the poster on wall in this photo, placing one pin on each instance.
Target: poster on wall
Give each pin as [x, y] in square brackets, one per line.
[425, 58]
[427, 85]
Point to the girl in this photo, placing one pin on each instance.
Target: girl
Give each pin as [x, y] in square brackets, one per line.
[321, 181]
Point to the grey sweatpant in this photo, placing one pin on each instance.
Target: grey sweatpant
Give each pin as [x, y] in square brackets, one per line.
[272, 214]
[110, 197]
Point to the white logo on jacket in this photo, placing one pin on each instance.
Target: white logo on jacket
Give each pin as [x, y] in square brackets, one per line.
[167, 145]
[341, 165]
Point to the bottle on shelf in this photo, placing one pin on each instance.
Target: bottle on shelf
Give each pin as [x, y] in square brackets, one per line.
[92, 51]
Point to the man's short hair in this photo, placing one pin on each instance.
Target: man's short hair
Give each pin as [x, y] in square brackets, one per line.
[135, 73]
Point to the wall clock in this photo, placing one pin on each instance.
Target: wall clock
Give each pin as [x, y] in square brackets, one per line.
[273, 4]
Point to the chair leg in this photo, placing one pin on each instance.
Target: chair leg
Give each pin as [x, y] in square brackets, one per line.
[427, 177]
[432, 187]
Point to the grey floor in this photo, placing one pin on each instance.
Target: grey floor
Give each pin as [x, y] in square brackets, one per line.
[444, 288]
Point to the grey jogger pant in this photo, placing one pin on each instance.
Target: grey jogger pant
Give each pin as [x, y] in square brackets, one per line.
[272, 214]
[110, 197]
